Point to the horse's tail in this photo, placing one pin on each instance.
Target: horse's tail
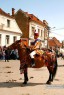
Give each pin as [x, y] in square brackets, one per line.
[55, 67]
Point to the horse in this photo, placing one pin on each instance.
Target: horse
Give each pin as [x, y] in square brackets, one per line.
[47, 59]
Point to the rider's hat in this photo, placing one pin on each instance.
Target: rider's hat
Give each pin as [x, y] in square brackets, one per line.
[36, 33]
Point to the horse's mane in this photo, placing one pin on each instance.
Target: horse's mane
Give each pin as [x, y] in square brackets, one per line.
[13, 44]
[16, 43]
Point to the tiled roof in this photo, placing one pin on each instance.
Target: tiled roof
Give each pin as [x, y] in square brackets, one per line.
[51, 43]
[34, 18]
[57, 41]
[54, 42]
[5, 14]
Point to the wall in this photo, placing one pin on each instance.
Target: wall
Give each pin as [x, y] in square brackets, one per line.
[11, 31]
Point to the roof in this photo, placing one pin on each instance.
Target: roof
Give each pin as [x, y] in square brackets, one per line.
[32, 17]
[5, 14]
[54, 42]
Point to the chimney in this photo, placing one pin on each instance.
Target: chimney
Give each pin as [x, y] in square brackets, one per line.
[8, 13]
[13, 11]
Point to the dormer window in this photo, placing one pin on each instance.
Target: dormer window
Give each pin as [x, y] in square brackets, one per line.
[8, 23]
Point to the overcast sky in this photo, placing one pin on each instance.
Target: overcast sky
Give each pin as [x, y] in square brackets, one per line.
[50, 10]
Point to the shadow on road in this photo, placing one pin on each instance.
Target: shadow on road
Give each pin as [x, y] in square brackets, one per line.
[60, 65]
[17, 84]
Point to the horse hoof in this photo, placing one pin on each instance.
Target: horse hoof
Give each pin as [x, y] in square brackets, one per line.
[25, 82]
[52, 80]
[48, 82]
[27, 79]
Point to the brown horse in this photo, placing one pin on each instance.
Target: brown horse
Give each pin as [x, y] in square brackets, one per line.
[47, 59]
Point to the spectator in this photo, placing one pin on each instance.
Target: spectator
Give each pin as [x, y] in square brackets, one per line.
[7, 54]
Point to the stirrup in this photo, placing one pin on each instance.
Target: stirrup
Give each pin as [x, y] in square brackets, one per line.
[21, 71]
[33, 65]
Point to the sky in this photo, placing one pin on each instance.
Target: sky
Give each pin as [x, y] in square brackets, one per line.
[50, 10]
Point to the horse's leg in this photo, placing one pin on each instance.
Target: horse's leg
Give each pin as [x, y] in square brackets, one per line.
[52, 71]
[25, 75]
[50, 75]
[55, 65]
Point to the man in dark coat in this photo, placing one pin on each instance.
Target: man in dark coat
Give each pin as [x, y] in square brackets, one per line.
[7, 54]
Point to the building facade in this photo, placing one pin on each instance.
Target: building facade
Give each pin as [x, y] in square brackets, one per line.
[9, 30]
[63, 44]
[28, 23]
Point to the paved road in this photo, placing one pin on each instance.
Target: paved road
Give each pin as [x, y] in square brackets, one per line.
[11, 80]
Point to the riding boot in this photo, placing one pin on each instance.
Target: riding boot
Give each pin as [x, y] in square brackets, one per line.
[32, 62]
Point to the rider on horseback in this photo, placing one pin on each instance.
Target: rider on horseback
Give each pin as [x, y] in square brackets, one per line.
[35, 46]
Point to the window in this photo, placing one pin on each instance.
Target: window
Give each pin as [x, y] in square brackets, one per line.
[33, 29]
[14, 38]
[39, 31]
[8, 23]
[7, 39]
[46, 33]
[42, 34]
[0, 38]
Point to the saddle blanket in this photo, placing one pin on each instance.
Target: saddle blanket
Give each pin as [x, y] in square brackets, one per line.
[40, 52]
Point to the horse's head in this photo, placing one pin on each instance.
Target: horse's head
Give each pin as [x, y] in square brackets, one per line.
[18, 44]
[21, 46]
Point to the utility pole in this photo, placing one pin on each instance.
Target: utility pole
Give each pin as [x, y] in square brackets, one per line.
[48, 28]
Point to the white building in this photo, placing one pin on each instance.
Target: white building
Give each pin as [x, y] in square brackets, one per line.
[9, 30]
[33, 26]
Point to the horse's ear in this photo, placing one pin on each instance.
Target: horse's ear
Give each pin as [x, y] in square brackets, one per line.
[25, 45]
[20, 40]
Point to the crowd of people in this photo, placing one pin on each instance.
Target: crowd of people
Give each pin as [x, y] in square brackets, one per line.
[7, 54]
